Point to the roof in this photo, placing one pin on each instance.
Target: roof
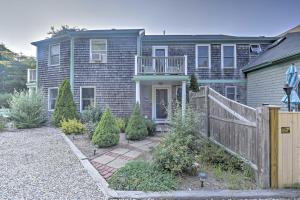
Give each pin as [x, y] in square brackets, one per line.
[284, 48]
[292, 30]
[205, 38]
[92, 33]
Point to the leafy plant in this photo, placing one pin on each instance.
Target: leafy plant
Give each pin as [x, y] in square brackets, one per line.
[90, 129]
[107, 132]
[65, 107]
[2, 123]
[151, 127]
[72, 126]
[91, 115]
[26, 109]
[194, 86]
[121, 124]
[4, 99]
[136, 128]
[142, 176]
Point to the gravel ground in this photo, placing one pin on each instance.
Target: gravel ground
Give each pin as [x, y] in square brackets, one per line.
[38, 164]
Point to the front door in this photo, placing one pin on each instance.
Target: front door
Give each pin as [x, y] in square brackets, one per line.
[161, 103]
[160, 61]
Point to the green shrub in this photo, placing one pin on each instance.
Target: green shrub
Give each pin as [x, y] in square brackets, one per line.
[4, 99]
[194, 84]
[136, 128]
[65, 107]
[91, 114]
[90, 129]
[2, 123]
[72, 126]
[107, 132]
[151, 127]
[142, 176]
[121, 124]
[26, 109]
[173, 153]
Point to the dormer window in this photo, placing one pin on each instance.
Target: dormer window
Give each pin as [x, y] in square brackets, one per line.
[54, 54]
[98, 50]
[255, 48]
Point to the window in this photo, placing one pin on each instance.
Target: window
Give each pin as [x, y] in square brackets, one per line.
[203, 56]
[52, 95]
[230, 92]
[98, 50]
[54, 56]
[87, 97]
[255, 48]
[228, 56]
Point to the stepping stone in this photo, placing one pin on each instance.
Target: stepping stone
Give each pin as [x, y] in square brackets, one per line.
[140, 143]
[104, 159]
[120, 151]
[117, 163]
[132, 154]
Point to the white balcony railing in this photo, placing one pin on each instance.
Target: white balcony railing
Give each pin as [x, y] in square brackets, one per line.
[173, 65]
[31, 75]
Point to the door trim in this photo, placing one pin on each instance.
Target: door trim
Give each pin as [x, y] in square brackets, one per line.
[169, 89]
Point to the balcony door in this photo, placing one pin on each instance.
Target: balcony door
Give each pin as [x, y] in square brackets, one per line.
[160, 54]
[161, 103]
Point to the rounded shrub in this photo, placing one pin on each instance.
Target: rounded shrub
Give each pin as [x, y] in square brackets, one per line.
[91, 115]
[107, 132]
[121, 124]
[136, 128]
[72, 126]
[151, 127]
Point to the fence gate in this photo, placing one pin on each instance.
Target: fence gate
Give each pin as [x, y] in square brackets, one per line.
[288, 148]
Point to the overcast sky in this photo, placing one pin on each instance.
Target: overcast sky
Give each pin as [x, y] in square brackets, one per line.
[24, 21]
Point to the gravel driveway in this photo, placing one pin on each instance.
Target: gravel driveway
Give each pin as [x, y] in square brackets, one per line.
[38, 164]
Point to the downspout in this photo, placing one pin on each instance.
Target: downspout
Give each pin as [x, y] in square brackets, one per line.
[72, 64]
[37, 70]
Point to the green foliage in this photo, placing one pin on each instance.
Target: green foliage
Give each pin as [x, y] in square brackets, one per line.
[65, 107]
[121, 124]
[2, 123]
[26, 109]
[142, 176]
[136, 128]
[4, 98]
[91, 114]
[107, 132]
[63, 30]
[72, 126]
[90, 128]
[151, 127]
[194, 84]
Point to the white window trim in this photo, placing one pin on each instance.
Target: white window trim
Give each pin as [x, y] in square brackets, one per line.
[50, 88]
[83, 87]
[99, 39]
[222, 56]
[49, 57]
[160, 47]
[235, 91]
[209, 55]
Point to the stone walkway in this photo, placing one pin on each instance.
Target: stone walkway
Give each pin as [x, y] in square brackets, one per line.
[107, 163]
[38, 164]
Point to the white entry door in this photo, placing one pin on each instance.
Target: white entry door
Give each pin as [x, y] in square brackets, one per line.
[161, 103]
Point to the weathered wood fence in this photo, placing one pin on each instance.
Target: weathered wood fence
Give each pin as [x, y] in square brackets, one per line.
[240, 129]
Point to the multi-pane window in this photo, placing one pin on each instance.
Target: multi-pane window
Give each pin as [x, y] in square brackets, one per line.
[202, 56]
[87, 97]
[98, 50]
[54, 54]
[52, 96]
[230, 92]
[228, 53]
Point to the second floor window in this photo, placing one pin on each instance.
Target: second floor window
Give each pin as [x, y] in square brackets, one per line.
[228, 56]
[202, 56]
[54, 56]
[52, 95]
[98, 50]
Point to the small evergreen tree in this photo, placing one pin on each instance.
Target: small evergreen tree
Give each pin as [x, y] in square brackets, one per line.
[107, 132]
[194, 84]
[136, 128]
[65, 107]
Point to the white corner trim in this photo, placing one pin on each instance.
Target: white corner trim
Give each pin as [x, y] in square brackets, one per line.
[50, 88]
[82, 87]
[209, 55]
[222, 56]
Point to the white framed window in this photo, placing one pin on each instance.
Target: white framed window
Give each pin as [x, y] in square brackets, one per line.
[52, 96]
[228, 56]
[255, 48]
[98, 50]
[230, 92]
[87, 97]
[54, 54]
[203, 55]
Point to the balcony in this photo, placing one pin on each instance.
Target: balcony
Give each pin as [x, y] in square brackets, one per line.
[160, 66]
[31, 75]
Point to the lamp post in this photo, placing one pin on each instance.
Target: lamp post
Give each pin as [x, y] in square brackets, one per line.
[287, 89]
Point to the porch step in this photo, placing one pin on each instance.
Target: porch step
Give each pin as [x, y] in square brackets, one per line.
[162, 128]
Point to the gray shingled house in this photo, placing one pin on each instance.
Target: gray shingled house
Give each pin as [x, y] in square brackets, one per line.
[266, 74]
[120, 67]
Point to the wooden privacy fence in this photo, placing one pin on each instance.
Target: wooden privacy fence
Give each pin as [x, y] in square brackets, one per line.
[240, 129]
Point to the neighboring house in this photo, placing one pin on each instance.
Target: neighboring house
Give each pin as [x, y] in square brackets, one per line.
[266, 74]
[120, 67]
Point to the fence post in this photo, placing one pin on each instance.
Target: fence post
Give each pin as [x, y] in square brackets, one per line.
[207, 111]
